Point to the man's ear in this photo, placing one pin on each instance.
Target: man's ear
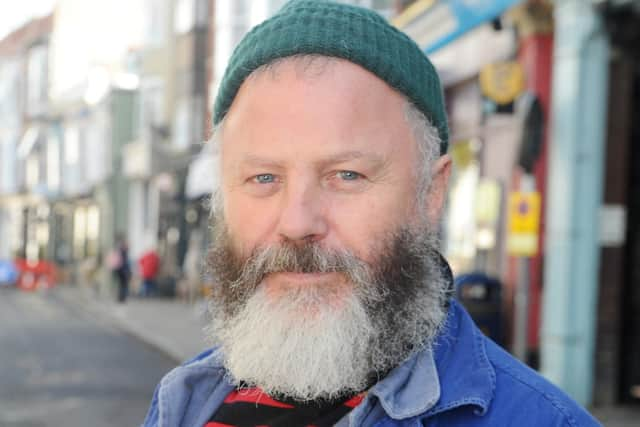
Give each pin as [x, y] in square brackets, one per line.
[437, 192]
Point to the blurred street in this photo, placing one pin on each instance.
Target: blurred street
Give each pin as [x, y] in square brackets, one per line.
[62, 366]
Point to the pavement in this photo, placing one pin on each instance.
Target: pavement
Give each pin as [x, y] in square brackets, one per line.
[175, 327]
[61, 365]
[172, 326]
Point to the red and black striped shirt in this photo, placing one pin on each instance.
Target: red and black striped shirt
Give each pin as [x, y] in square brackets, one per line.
[251, 407]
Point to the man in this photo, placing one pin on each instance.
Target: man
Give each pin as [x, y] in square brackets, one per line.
[118, 261]
[332, 304]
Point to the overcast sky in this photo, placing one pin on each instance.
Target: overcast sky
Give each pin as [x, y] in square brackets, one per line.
[15, 13]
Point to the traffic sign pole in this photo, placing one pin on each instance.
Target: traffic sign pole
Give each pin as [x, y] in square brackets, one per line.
[521, 327]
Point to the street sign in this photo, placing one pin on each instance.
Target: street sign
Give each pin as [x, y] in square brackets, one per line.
[524, 223]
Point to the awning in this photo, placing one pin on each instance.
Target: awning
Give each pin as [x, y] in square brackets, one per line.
[435, 23]
[203, 174]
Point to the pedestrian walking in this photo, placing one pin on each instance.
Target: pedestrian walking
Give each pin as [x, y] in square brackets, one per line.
[118, 263]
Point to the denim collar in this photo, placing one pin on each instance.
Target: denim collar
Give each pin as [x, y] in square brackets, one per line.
[453, 372]
[410, 389]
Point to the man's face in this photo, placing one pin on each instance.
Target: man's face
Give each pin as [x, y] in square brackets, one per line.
[322, 156]
[325, 263]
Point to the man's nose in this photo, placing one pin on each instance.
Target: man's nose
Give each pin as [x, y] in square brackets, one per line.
[302, 215]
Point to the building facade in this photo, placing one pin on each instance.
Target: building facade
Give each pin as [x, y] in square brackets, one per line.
[570, 302]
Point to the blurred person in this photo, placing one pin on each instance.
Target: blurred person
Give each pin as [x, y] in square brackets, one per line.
[332, 303]
[149, 264]
[119, 264]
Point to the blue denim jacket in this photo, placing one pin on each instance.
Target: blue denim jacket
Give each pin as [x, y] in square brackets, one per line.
[464, 379]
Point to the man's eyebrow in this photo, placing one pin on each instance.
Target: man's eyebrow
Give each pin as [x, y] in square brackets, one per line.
[346, 156]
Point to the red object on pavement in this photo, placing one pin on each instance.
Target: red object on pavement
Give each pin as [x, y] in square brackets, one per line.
[149, 264]
[35, 275]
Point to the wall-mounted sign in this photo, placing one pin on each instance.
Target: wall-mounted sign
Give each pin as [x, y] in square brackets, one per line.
[524, 223]
[502, 82]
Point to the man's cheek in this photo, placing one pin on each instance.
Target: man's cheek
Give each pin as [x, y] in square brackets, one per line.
[239, 242]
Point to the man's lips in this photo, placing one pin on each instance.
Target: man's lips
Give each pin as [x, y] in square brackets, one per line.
[328, 288]
[301, 278]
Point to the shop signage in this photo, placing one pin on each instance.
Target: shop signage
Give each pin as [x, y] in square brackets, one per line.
[435, 23]
[502, 82]
[524, 223]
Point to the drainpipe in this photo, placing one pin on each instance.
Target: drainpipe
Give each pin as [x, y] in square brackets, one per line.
[576, 151]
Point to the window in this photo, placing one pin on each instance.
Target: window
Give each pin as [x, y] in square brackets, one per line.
[53, 163]
[151, 108]
[184, 19]
[71, 146]
[93, 229]
[182, 124]
[79, 232]
[37, 80]
[202, 13]
[156, 25]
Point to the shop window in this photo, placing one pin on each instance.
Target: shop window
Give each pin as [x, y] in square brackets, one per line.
[93, 230]
[32, 172]
[79, 232]
[460, 241]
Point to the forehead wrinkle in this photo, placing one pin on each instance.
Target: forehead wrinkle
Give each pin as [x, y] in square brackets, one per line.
[251, 159]
[376, 159]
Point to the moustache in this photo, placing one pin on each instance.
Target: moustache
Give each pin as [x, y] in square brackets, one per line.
[297, 258]
[239, 276]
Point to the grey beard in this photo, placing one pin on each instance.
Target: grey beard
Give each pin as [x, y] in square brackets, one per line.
[394, 308]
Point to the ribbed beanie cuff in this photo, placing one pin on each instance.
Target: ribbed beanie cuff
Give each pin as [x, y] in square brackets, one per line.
[338, 30]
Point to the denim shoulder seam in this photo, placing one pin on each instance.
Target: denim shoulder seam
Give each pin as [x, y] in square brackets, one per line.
[483, 354]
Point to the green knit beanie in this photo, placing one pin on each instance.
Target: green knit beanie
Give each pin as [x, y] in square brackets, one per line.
[338, 30]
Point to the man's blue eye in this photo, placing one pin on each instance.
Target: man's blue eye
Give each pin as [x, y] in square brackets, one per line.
[349, 175]
[265, 178]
